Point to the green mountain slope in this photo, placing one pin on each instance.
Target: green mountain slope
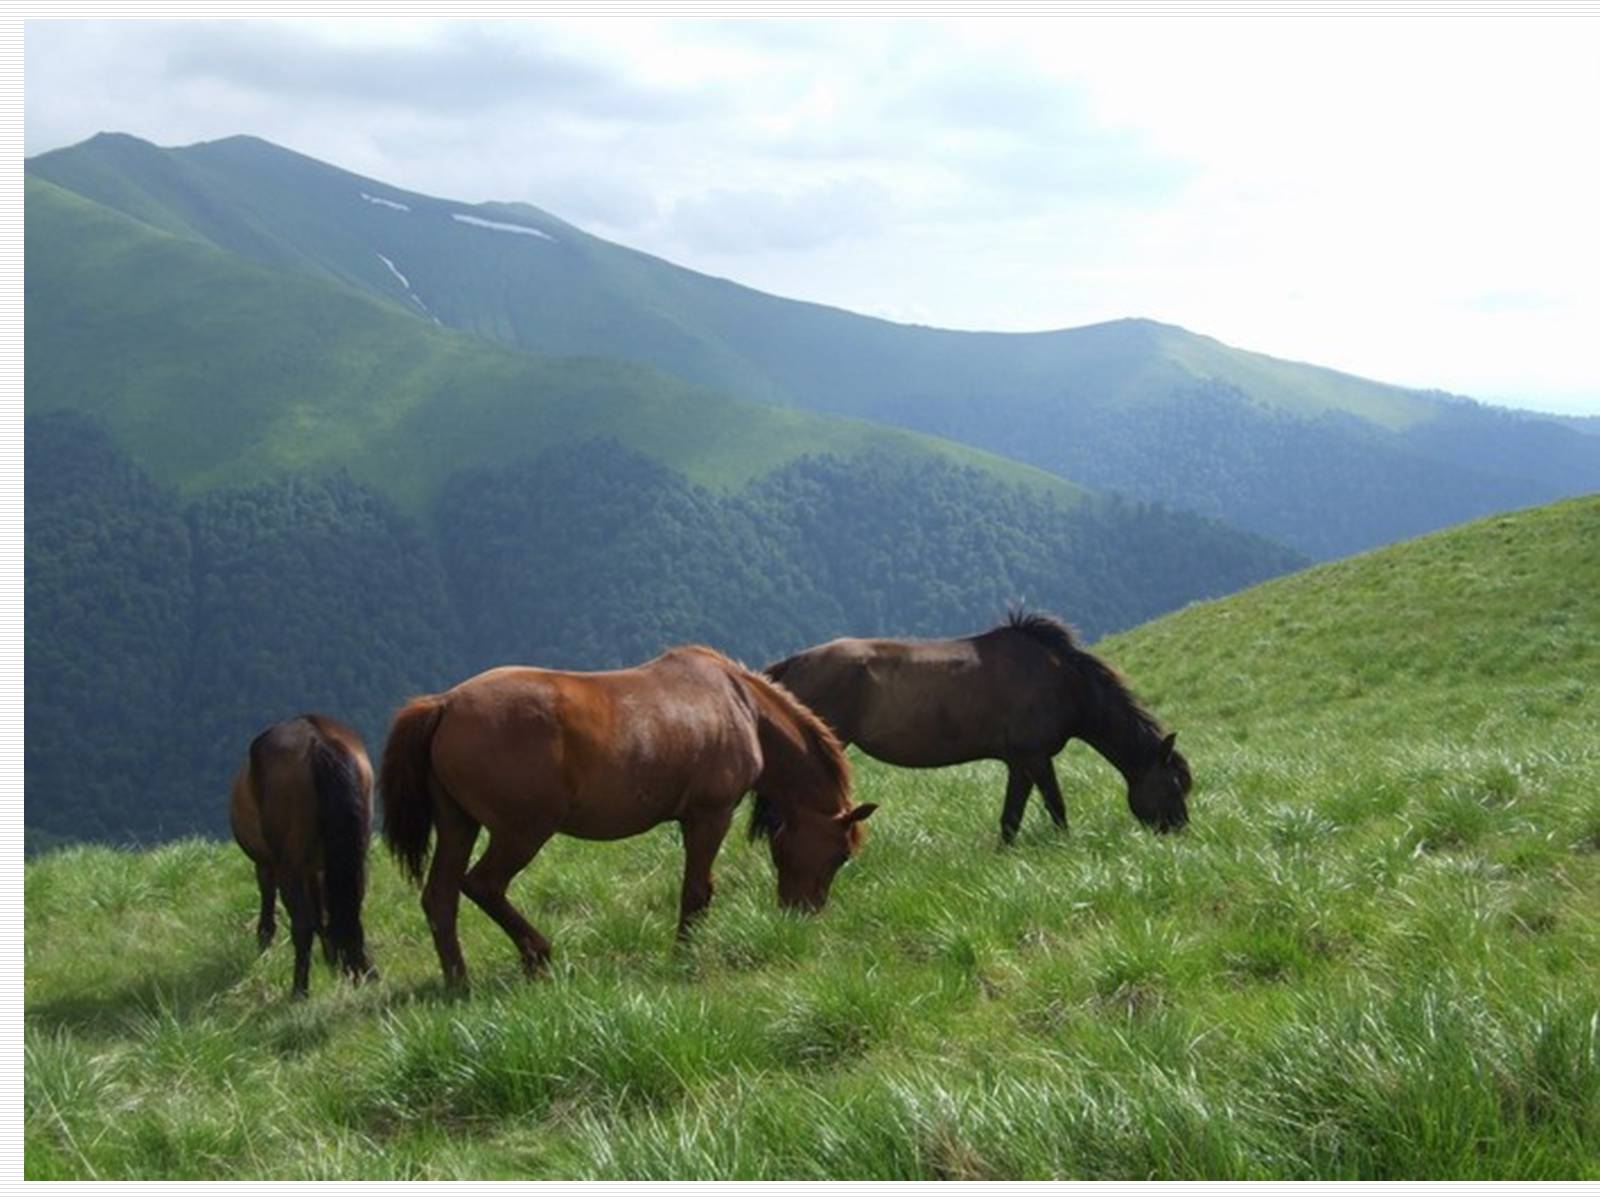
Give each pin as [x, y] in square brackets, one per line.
[265, 371]
[253, 492]
[1371, 955]
[1467, 635]
[1322, 460]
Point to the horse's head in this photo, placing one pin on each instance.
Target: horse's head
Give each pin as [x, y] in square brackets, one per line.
[1156, 794]
[808, 848]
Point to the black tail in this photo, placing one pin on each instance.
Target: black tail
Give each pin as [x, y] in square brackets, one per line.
[344, 819]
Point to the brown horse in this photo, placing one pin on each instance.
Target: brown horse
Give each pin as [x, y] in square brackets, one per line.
[1017, 693]
[302, 810]
[529, 753]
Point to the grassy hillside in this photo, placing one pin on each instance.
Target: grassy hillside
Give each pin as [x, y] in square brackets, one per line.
[1320, 460]
[1372, 955]
[211, 371]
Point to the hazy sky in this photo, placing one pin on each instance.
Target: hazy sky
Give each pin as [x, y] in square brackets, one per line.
[1414, 201]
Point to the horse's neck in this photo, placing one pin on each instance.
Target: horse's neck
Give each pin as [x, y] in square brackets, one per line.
[790, 773]
[1120, 738]
[787, 772]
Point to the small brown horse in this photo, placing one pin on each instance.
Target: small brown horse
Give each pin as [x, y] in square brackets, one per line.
[1017, 693]
[302, 810]
[529, 753]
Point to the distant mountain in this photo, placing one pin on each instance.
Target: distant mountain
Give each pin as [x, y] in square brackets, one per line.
[1323, 461]
[263, 371]
[1588, 425]
[253, 491]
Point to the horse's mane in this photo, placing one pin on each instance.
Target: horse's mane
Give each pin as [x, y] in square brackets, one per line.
[1110, 690]
[820, 741]
[1048, 631]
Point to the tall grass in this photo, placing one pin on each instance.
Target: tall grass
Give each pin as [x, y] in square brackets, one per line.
[1372, 955]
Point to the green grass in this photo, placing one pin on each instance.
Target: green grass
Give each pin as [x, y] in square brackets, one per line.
[1372, 956]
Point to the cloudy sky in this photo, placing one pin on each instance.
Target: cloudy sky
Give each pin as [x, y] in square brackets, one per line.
[1409, 200]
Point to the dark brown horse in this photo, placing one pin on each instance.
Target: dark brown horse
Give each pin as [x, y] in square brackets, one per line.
[1017, 694]
[529, 753]
[302, 810]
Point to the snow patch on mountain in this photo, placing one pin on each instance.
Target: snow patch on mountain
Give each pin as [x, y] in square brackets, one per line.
[395, 271]
[405, 283]
[395, 204]
[501, 225]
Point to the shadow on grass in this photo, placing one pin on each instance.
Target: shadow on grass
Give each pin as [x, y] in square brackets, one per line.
[181, 993]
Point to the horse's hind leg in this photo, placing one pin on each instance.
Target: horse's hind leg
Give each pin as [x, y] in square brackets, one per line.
[320, 889]
[1043, 771]
[506, 854]
[267, 922]
[441, 895]
[1018, 784]
[302, 906]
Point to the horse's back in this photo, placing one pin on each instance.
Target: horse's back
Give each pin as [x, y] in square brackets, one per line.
[279, 782]
[925, 702]
[847, 678]
[595, 754]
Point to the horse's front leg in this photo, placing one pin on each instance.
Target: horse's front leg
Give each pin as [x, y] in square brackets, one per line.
[702, 838]
[1018, 784]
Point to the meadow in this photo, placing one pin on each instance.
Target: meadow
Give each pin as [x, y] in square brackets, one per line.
[1372, 955]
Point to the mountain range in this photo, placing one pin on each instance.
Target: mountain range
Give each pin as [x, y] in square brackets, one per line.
[1321, 461]
[255, 487]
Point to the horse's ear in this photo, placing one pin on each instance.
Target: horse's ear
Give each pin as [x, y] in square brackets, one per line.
[856, 814]
[1166, 747]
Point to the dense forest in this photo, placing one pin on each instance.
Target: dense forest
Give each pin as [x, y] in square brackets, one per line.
[162, 632]
[1208, 450]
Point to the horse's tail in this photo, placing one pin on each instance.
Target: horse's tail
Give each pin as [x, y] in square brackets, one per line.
[405, 781]
[344, 820]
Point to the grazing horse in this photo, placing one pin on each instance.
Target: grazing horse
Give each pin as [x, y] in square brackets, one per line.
[1017, 693]
[528, 753]
[302, 810]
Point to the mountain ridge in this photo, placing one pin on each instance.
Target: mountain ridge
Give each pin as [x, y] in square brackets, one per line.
[1148, 409]
[204, 282]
